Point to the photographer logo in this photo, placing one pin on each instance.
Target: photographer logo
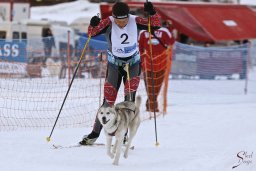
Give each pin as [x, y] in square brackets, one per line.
[244, 158]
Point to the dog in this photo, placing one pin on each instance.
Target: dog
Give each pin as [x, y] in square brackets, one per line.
[116, 121]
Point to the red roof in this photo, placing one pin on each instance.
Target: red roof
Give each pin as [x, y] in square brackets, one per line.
[209, 22]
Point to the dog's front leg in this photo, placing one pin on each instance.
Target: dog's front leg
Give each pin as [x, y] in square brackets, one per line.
[109, 143]
[118, 151]
[114, 147]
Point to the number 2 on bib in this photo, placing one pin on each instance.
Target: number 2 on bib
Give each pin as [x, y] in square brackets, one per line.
[124, 37]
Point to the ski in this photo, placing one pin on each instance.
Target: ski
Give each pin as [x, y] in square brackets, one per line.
[56, 146]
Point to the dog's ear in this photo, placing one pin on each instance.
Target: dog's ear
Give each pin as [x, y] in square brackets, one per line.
[99, 110]
[113, 110]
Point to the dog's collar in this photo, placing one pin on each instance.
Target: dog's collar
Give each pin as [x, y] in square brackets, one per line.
[115, 124]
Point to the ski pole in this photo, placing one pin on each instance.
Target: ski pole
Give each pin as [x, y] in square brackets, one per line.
[152, 78]
[80, 60]
[128, 79]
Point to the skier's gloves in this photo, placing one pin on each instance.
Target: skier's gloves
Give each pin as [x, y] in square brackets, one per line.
[148, 7]
[95, 20]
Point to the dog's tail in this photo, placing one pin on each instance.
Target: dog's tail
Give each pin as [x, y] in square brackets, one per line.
[138, 102]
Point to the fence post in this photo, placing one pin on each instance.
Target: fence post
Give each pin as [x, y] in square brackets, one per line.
[247, 63]
[68, 56]
[100, 60]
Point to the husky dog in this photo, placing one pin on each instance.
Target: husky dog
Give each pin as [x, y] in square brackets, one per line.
[116, 121]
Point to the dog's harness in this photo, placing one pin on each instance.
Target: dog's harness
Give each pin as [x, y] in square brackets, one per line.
[113, 133]
[117, 124]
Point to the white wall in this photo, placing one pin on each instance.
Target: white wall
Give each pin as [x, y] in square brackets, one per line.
[21, 11]
[4, 11]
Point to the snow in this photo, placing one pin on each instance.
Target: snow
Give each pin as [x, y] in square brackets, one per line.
[69, 12]
[248, 2]
[208, 123]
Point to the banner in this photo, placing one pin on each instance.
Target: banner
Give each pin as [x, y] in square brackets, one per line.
[14, 51]
[13, 57]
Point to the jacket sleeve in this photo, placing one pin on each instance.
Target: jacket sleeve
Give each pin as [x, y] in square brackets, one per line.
[100, 29]
[142, 23]
[167, 37]
[141, 41]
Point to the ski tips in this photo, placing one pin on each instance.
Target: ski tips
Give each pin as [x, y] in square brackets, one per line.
[48, 139]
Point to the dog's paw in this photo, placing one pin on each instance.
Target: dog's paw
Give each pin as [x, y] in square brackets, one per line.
[111, 155]
[126, 152]
[114, 151]
[115, 163]
[126, 155]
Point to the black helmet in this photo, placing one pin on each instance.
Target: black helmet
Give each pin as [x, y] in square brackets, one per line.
[120, 10]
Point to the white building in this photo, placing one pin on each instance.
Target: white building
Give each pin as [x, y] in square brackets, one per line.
[14, 10]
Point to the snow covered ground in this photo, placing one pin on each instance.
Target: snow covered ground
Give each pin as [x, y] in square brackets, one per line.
[209, 124]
